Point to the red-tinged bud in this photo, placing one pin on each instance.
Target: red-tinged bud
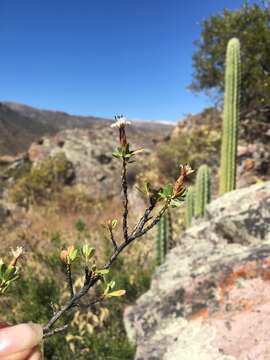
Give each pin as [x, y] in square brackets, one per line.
[179, 185]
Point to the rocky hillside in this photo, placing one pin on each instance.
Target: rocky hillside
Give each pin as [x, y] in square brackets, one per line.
[210, 299]
[20, 125]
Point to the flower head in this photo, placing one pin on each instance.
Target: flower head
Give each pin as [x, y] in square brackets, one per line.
[17, 253]
[120, 122]
[186, 170]
[179, 185]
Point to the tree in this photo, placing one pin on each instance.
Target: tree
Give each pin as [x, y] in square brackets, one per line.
[251, 25]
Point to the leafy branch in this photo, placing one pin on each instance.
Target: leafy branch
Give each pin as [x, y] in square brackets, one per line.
[171, 195]
[162, 199]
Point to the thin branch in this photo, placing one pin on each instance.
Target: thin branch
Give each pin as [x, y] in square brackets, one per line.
[55, 331]
[136, 235]
[94, 302]
[69, 280]
[70, 303]
[150, 226]
[144, 219]
[87, 275]
[125, 198]
[112, 237]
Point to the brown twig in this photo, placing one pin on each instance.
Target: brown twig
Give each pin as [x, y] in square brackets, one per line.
[112, 237]
[125, 198]
[55, 331]
[94, 302]
[70, 303]
[142, 232]
[144, 219]
[69, 280]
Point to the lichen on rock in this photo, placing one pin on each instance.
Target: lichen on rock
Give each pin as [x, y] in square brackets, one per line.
[203, 302]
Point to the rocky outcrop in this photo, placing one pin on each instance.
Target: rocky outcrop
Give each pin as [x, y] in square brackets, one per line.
[253, 156]
[90, 152]
[210, 299]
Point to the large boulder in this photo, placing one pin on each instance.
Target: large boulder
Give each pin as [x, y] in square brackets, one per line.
[211, 298]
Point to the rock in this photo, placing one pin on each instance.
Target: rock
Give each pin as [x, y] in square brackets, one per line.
[90, 152]
[211, 298]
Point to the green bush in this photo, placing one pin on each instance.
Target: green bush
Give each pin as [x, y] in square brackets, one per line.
[42, 181]
[198, 146]
[31, 299]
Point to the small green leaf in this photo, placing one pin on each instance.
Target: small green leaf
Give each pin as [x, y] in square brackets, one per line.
[114, 223]
[111, 284]
[103, 271]
[10, 273]
[116, 155]
[116, 293]
[3, 268]
[88, 252]
[73, 254]
[168, 190]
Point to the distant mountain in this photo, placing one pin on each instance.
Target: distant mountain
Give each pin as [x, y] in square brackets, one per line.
[20, 125]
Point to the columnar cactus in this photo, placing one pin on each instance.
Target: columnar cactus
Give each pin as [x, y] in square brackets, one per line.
[230, 117]
[203, 190]
[189, 207]
[163, 237]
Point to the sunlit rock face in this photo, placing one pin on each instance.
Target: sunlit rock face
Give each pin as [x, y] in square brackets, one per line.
[89, 152]
[211, 298]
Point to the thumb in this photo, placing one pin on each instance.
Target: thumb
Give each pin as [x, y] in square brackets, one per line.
[19, 337]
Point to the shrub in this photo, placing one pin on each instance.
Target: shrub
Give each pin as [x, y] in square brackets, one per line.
[42, 181]
[198, 146]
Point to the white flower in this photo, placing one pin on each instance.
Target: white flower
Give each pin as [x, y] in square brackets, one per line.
[120, 121]
[18, 252]
[186, 169]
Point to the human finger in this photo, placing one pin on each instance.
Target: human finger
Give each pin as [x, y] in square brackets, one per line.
[19, 338]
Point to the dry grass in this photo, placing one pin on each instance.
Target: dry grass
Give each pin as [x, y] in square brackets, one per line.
[34, 229]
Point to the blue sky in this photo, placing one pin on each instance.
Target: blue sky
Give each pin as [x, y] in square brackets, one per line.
[103, 57]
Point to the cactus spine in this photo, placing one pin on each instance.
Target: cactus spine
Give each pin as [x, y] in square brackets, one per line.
[163, 237]
[230, 117]
[189, 207]
[203, 190]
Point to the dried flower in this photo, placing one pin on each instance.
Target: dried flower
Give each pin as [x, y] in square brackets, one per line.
[179, 186]
[16, 255]
[121, 123]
